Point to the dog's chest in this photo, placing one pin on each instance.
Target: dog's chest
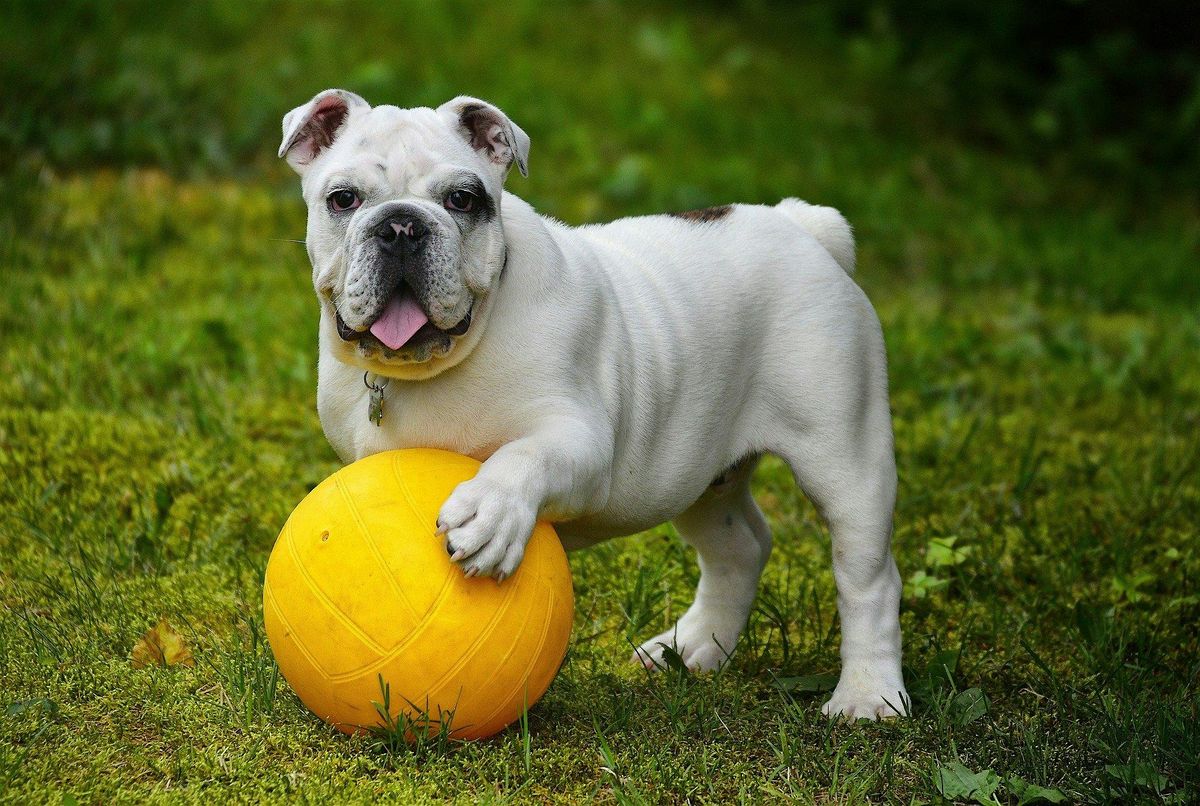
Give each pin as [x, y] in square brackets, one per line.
[410, 418]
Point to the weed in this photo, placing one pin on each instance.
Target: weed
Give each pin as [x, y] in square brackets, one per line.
[413, 731]
[250, 675]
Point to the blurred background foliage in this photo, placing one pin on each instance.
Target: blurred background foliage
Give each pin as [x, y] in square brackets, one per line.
[1109, 85]
[972, 144]
[1103, 85]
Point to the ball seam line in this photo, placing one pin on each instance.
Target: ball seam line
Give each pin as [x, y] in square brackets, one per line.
[274, 603]
[432, 688]
[390, 655]
[546, 619]
[416, 511]
[329, 605]
[483, 635]
[370, 542]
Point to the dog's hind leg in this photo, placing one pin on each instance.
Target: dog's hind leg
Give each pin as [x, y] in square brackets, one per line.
[732, 543]
[844, 460]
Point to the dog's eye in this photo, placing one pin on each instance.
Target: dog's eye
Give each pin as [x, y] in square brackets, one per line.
[461, 201]
[341, 201]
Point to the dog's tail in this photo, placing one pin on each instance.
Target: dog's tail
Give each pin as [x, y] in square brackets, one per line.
[825, 224]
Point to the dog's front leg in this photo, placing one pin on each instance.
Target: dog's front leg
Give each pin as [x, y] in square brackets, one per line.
[558, 472]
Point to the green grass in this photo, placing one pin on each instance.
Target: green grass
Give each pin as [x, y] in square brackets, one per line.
[157, 424]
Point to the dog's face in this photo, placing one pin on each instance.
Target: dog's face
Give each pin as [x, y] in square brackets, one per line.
[404, 229]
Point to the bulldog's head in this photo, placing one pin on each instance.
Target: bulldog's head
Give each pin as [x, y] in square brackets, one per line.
[404, 229]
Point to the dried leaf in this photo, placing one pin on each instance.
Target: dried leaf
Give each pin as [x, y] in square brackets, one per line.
[162, 645]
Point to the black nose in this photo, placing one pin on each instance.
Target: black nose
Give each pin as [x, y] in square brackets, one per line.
[399, 231]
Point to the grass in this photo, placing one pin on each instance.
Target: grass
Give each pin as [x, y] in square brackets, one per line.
[157, 424]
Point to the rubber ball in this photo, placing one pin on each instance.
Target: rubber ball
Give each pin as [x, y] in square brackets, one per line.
[363, 608]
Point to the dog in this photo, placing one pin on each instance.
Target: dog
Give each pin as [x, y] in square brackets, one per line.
[609, 377]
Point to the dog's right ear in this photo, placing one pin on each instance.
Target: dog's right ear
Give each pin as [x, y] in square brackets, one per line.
[309, 129]
[489, 131]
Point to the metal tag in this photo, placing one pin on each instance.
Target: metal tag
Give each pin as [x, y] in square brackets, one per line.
[375, 400]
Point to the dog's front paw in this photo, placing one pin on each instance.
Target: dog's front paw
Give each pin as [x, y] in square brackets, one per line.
[867, 696]
[486, 527]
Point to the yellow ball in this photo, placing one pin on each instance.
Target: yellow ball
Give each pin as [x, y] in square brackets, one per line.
[359, 587]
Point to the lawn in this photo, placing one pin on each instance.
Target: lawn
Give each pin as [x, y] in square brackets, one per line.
[158, 423]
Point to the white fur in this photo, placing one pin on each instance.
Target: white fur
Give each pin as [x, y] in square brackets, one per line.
[828, 226]
[620, 369]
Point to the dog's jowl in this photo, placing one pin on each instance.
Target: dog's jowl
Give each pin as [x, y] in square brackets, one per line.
[610, 377]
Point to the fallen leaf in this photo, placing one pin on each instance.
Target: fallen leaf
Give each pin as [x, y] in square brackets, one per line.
[162, 645]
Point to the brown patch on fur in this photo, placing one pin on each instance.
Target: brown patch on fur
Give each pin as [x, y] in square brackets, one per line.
[706, 215]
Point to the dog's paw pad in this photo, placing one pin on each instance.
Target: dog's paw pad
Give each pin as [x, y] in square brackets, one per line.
[487, 527]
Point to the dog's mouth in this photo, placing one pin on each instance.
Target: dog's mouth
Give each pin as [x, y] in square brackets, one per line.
[402, 324]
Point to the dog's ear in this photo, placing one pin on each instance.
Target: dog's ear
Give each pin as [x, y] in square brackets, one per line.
[488, 131]
[309, 129]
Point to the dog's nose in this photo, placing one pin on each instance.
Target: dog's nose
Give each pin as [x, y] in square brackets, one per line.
[400, 230]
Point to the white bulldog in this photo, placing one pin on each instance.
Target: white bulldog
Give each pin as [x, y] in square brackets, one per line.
[610, 377]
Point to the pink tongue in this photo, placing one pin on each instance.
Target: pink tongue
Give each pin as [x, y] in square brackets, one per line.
[400, 320]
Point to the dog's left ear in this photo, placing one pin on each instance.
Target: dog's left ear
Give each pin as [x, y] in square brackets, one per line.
[489, 131]
[310, 129]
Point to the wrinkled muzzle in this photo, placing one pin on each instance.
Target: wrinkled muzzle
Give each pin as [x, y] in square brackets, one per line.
[402, 278]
